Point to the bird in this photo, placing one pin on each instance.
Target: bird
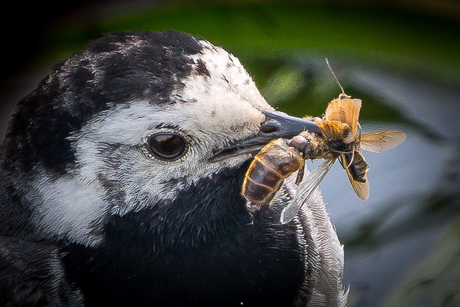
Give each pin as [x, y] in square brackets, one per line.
[121, 180]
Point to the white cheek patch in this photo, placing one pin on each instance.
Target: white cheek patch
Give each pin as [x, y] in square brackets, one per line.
[69, 209]
[121, 125]
[145, 180]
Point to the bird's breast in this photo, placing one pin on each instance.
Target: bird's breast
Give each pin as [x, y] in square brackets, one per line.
[201, 249]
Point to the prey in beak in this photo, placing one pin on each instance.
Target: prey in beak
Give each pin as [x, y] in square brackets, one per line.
[276, 125]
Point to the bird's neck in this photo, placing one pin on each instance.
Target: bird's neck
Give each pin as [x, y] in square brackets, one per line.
[203, 245]
[209, 209]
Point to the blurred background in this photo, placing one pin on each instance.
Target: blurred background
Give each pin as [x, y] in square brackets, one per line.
[401, 57]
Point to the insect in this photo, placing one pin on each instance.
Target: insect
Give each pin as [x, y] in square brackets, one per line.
[274, 163]
[342, 134]
[341, 130]
[341, 139]
[278, 160]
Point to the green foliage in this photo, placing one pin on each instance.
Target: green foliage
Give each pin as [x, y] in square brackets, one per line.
[403, 39]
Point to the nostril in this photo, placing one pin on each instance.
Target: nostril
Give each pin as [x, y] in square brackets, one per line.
[269, 128]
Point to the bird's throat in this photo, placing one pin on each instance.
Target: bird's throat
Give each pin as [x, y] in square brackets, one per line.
[199, 251]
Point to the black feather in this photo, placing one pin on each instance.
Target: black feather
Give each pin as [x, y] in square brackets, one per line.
[201, 249]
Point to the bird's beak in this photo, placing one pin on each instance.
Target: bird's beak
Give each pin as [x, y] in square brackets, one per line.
[276, 125]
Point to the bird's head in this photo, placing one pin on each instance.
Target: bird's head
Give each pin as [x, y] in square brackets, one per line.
[134, 122]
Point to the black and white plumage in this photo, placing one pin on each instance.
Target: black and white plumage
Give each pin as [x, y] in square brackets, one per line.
[111, 192]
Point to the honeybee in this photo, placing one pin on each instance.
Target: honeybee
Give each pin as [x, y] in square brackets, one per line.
[278, 160]
[274, 163]
[342, 134]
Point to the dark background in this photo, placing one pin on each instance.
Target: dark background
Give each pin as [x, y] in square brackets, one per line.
[400, 57]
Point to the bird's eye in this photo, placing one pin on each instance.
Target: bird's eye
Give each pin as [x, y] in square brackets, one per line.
[167, 146]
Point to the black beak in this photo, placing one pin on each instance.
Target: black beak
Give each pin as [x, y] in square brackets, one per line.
[276, 125]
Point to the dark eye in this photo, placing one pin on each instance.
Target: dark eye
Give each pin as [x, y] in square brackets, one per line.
[167, 146]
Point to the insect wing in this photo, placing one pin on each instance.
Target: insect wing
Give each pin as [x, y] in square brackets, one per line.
[305, 191]
[356, 168]
[361, 188]
[382, 140]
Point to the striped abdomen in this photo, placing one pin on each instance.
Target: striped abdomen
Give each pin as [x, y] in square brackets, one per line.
[275, 162]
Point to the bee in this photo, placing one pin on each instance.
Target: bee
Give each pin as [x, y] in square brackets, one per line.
[342, 135]
[274, 163]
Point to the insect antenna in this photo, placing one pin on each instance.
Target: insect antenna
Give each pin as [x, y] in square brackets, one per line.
[335, 77]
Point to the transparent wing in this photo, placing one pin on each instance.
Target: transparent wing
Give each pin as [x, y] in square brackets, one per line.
[305, 190]
[361, 188]
[382, 140]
